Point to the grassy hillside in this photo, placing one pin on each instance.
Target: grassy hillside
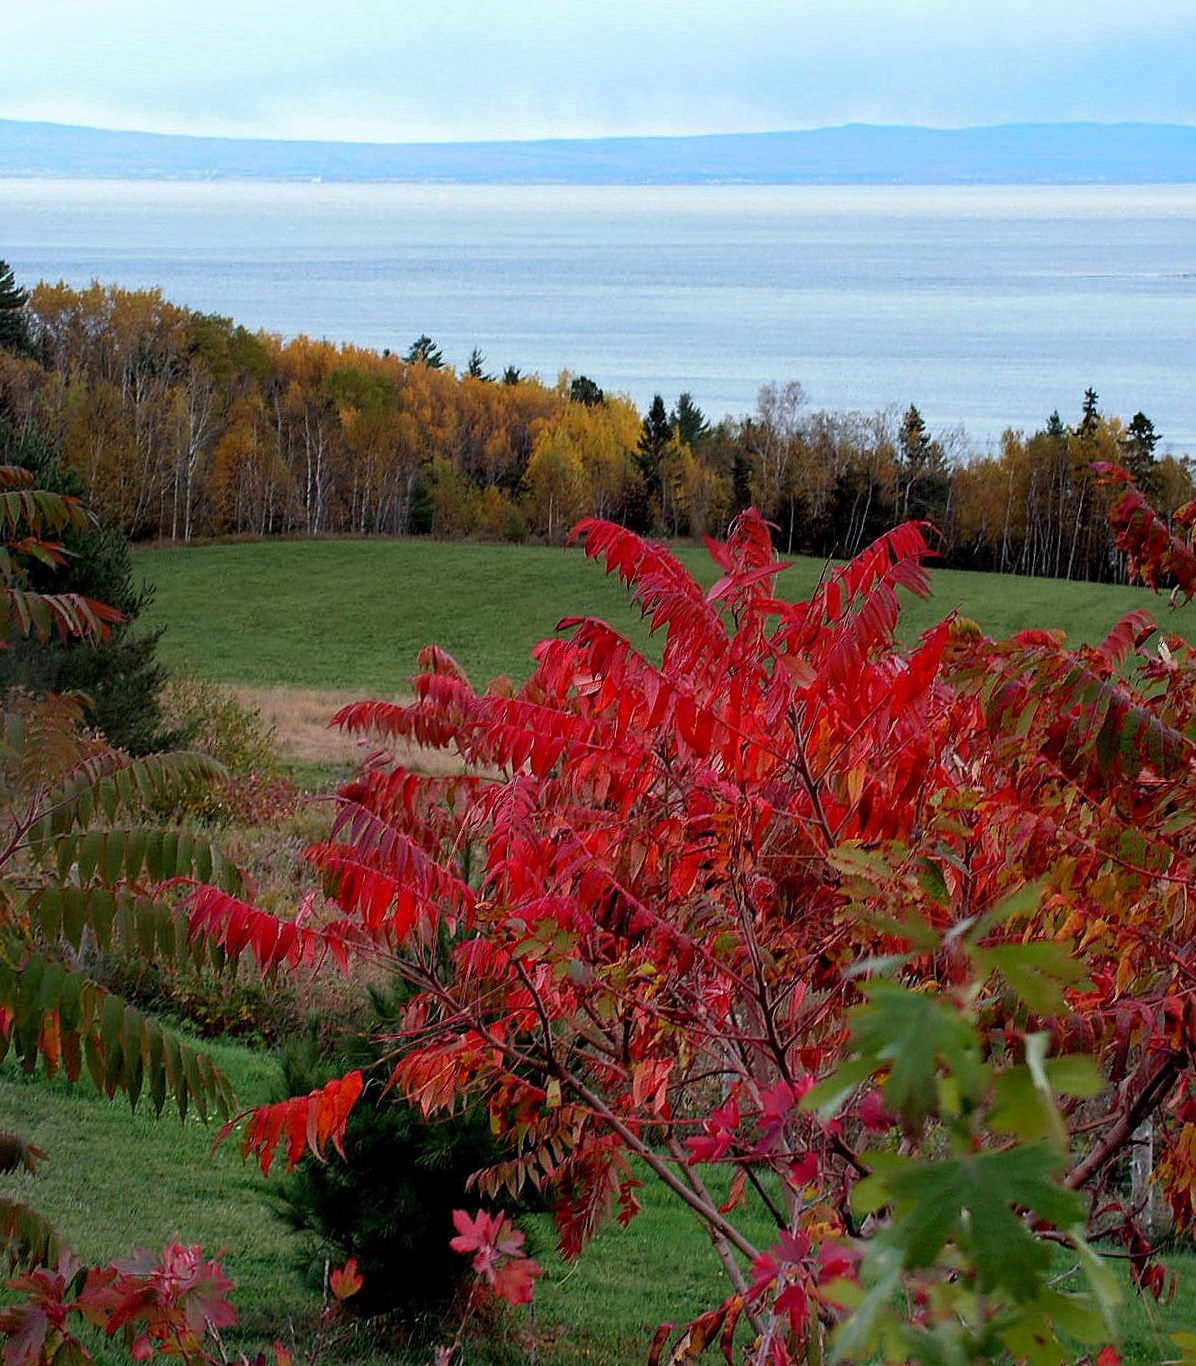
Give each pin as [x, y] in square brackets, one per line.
[354, 614]
[118, 1180]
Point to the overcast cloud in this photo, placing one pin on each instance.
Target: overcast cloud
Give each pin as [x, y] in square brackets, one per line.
[394, 70]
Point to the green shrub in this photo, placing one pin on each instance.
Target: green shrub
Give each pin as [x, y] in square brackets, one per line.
[215, 722]
[390, 1203]
[208, 1006]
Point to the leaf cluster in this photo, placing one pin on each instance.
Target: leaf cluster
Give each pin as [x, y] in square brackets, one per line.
[80, 868]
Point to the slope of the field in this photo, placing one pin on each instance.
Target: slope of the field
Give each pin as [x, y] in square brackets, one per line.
[352, 615]
[118, 1180]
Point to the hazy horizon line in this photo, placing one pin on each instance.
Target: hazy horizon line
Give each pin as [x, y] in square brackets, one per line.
[609, 137]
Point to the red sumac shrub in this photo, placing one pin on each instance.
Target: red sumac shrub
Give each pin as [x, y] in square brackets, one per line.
[869, 923]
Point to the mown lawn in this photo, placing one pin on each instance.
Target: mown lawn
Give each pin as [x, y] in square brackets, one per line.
[354, 614]
[118, 1180]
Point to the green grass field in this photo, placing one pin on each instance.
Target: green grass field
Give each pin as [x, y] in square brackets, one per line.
[354, 614]
[117, 1181]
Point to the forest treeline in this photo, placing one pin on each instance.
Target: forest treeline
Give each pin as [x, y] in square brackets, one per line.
[184, 424]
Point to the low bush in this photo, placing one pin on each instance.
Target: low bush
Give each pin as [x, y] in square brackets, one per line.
[390, 1203]
[215, 722]
[207, 1006]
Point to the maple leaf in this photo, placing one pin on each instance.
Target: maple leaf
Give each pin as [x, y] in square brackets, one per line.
[974, 1199]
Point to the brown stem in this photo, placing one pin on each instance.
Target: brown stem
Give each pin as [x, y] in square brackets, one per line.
[802, 764]
[1150, 1093]
[705, 1208]
[717, 1237]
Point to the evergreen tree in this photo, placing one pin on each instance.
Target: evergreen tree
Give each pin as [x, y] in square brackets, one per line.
[1090, 415]
[512, 375]
[913, 439]
[14, 327]
[1138, 444]
[119, 675]
[656, 432]
[424, 351]
[476, 365]
[923, 481]
[689, 421]
[389, 1203]
[584, 390]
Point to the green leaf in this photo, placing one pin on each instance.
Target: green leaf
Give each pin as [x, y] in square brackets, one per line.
[915, 1033]
[112, 1021]
[1021, 902]
[1074, 1074]
[972, 1201]
[70, 1002]
[859, 1336]
[1036, 1060]
[1186, 1342]
[831, 1092]
[852, 860]
[870, 967]
[1037, 972]
[176, 1080]
[1019, 1108]
[946, 1344]
[88, 852]
[932, 881]
[27, 1238]
[1029, 1335]
[51, 988]
[75, 917]
[155, 1065]
[873, 1192]
[195, 1081]
[113, 861]
[1104, 1283]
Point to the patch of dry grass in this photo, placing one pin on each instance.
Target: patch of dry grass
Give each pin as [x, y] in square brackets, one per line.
[300, 717]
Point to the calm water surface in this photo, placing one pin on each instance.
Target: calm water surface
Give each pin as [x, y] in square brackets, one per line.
[987, 306]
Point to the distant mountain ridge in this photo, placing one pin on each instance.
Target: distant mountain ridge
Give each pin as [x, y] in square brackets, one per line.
[1050, 153]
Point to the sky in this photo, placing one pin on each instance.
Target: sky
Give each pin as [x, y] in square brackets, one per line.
[443, 70]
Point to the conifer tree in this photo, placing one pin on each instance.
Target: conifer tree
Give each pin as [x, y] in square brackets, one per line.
[1090, 414]
[655, 435]
[689, 421]
[923, 480]
[14, 329]
[1138, 444]
[584, 390]
[119, 674]
[424, 351]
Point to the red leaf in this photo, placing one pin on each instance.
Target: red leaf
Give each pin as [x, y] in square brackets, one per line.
[344, 1281]
[310, 1123]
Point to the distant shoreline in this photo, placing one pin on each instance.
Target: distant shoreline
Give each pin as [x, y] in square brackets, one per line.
[855, 154]
[119, 177]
